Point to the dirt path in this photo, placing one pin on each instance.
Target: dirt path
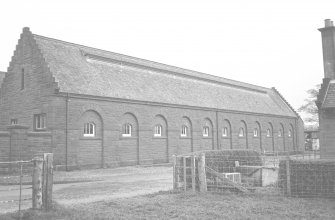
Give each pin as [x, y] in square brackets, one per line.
[97, 185]
[115, 183]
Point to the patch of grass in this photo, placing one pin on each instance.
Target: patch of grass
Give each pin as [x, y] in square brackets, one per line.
[172, 205]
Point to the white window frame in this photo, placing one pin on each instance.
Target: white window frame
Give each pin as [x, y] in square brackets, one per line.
[205, 131]
[280, 133]
[183, 131]
[89, 129]
[256, 132]
[158, 131]
[13, 121]
[225, 132]
[126, 131]
[241, 132]
[40, 122]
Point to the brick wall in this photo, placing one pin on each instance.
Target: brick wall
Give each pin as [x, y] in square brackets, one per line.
[143, 147]
[22, 103]
[327, 136]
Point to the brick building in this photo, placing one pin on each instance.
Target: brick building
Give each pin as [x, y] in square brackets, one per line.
[326, 97]
[92, 107]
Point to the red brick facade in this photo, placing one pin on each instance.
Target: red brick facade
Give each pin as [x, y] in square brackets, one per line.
[326, 97]
[67, 114]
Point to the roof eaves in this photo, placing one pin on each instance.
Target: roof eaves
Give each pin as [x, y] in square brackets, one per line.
[285, 101]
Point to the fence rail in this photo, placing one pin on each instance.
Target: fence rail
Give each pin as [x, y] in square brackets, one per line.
[41, 173]
[294, 174]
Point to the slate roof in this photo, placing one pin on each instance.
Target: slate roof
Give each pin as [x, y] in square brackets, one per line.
[83, 70]
[2, 76]
[329, 99]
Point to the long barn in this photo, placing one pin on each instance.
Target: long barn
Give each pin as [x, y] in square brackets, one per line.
[95, 108]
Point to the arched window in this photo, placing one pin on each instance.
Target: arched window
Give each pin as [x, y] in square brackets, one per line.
[268, 132]
[225, 132]
[158, 131]
[89, 129]
[256, 132]
[280, 132]
[183, 131]
[205, 131]
[290, 133]
[241, 132]
[126, 130]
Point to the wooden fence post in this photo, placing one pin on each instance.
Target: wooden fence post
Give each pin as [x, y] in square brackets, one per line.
[202, 173]
[174, 161]
[37, 183]
[47, 181]
[288, 178]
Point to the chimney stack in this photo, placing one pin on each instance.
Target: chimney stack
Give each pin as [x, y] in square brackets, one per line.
[328, 48]
[328, 23]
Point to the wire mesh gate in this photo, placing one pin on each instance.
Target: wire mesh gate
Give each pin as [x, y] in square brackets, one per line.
[12, 186]
[28, 182]
[292, 174]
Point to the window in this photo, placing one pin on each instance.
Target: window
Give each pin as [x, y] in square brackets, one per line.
[268, 133]
[22, 79]
[241, 133]
[40, 122]
[205, 131]
[290, 133]
[13, 121]
[183, 131]
[89, 130]
[158, 131]
[225, 132]
[280, 133]
[126, 130]
[255, 132]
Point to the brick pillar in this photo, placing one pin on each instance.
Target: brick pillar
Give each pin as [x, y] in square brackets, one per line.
[18, 142]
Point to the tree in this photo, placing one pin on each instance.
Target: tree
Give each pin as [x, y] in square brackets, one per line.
[309, 108]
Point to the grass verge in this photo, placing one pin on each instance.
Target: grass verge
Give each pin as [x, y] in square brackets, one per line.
[171, 205]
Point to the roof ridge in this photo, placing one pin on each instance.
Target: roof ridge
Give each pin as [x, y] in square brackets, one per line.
[187, 72]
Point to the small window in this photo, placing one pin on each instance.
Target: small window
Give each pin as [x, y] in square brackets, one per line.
[290, 133]
[13, 121]
[280, 133]
[225, 132]
[241, 133]
[255, 132]
[158, 131]
[183, 131]
[268, 133]
[126, 130]
[205, 131]
[22, 79]
[89, 130]
[40, 122]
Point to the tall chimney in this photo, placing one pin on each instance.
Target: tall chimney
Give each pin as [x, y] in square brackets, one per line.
[328, 48]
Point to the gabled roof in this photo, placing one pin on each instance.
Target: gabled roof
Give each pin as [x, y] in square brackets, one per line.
[2, 76]
[326, 96]
[83, 70]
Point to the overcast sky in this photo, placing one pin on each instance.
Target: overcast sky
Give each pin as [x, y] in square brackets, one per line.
[266, 43]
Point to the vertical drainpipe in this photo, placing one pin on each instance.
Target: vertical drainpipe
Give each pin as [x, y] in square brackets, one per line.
[295, 135]
[66, 129]
[217, 131]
